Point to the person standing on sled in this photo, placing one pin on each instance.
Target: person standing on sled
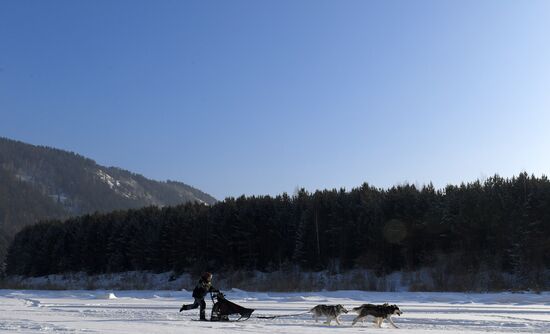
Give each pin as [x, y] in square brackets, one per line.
[203, 287]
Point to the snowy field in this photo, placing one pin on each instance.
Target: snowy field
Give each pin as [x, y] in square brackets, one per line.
[157, 312]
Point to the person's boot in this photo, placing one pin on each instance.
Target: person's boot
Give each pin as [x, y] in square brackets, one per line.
[184, 308]
[202, 316]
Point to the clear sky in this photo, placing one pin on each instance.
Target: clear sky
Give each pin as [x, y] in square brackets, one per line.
[262, 97]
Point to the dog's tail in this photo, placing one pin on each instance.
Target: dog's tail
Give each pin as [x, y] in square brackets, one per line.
[357, 309]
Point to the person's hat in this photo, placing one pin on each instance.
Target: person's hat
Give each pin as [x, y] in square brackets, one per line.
[206, 276]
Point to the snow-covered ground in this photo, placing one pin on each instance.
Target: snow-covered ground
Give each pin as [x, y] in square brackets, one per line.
[38, 311]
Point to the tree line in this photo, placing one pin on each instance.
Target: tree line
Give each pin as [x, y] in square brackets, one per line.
[41, 183]
[498, 225]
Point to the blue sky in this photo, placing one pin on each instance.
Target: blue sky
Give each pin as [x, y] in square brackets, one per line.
[262, 97]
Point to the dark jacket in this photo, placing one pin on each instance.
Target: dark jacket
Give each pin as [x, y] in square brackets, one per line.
[202, 288]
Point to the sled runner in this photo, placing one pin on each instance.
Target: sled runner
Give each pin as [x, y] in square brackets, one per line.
[223, 308]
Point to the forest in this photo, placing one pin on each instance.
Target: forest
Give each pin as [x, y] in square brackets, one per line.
[42, 183]
[499, 225]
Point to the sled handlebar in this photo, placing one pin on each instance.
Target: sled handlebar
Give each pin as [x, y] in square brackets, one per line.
[216, 294]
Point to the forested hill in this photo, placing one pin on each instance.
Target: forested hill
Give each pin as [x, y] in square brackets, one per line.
[39, 183]
[493, 234]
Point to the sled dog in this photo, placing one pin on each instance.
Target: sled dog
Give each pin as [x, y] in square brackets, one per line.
[332, 312]
[378, 312]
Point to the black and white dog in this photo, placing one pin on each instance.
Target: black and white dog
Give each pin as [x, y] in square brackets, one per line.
[332, 312]
[378, 312]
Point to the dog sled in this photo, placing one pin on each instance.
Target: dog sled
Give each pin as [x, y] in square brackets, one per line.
[223, 308]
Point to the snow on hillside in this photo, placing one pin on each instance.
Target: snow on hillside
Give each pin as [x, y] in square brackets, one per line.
[101, 311]
[125, 188]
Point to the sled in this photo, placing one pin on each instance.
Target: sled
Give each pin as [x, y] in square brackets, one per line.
[223, 308]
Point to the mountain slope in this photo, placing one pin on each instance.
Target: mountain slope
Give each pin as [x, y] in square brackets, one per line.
[38, 183]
